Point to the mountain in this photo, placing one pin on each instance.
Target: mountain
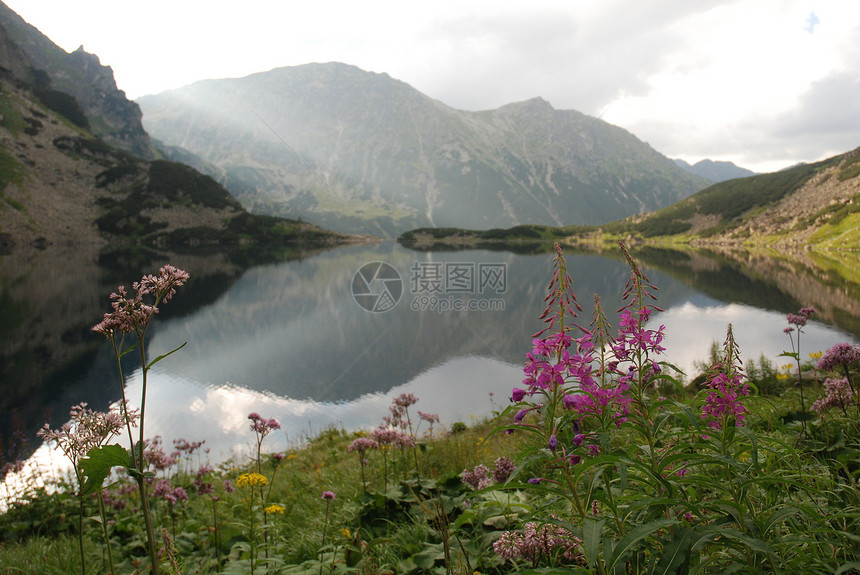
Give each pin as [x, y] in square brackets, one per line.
[715, 171]
[74, 167]
[362, 152]
[809, 204]
[55, 75]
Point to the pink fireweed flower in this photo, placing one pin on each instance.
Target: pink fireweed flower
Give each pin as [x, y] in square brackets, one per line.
[724, 401]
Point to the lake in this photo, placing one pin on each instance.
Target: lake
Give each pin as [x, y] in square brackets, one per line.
[329, 338]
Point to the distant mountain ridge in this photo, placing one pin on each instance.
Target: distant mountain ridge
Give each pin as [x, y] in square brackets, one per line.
[362, 152]
[715, 171]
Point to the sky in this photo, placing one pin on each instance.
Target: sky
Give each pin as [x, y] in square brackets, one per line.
[765, 84]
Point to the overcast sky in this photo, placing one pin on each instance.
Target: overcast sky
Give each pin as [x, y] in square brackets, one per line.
[762, 83]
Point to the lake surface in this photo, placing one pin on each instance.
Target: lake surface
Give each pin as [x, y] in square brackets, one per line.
[330, 338]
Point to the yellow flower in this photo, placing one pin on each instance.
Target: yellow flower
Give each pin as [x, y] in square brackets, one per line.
[274, 508]
[345, 532]
[291, 456]
[816, 355]
[251, 480]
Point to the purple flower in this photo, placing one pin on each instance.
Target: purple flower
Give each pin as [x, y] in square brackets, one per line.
[328, 495]
[724, 401]
[478, 477]
[262, 426]
[228, 486]
[837, 393]
[518, 395]
[553, 442]
[840, 355]
[504, 469]
[362, 444]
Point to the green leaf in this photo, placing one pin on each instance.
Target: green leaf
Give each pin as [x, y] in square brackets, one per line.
[160, 357]
[851, 566]
[778, 517]
[591, 530]
[676, 554]
[627, 543]
[97, 464]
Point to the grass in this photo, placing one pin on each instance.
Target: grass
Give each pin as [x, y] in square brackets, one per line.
[44, 527]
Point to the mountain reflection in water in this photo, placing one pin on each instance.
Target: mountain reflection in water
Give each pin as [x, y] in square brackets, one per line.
[289, 341]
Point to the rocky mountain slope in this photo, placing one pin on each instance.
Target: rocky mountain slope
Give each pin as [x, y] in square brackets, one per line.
[810, 204]
[363, 152]
[74, 165]
[56, 75]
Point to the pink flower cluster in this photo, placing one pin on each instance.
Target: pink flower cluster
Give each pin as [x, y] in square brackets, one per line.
[362, 444]
[132, 313]
[479, 476]
[801, 317]
[85, 430]
[385, 436]
[261, 426]
[539, 540]
[169, 493]
[837, 393]
[723, 402]
[841, 355]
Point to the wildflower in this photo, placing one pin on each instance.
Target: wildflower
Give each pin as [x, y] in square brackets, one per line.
[328, 495]
[728, 385]
[430, 418]
[362, 444]
[478, 477]
[263, 426]
[204, 488]
[387, 437]
[251, 480]
[837, 393]
[228, 486]
[840, 355]
[504, 469]
[346, 532]
[539, 540]
[723, 402]
[274, 508]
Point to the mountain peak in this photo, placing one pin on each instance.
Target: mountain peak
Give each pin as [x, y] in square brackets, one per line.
[362, 152]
